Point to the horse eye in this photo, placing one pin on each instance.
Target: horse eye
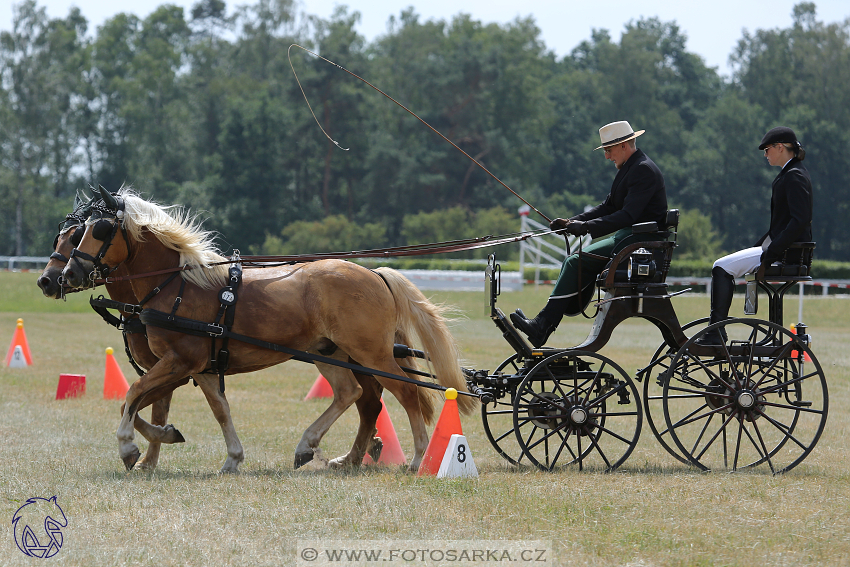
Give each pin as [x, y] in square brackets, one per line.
[102, 229]
[78, 235]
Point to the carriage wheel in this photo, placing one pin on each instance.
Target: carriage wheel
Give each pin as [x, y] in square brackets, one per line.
[755, 400]
[498, 418]
[566, 412]
[653, 393]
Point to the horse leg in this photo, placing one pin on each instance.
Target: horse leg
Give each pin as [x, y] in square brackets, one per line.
[408, 397]
[369, 407]
[221, 410]
[159, 417]
[346, 392]
[157, 379]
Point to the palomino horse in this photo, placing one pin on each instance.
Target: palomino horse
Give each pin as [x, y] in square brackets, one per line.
[156, 432]
[330, 307]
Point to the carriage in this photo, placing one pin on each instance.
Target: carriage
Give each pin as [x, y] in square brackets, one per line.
[759, 399]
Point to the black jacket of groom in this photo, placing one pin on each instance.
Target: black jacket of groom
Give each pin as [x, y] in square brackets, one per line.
[790, 210]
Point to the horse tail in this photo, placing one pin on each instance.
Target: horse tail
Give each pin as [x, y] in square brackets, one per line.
[416, 315]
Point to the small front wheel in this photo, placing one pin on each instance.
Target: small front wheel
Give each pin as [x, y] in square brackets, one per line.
[568, 413]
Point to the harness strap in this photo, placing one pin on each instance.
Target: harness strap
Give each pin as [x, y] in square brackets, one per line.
[201, 329]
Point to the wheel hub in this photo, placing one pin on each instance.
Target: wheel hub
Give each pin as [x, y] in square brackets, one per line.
[578, 415]
[746, 399]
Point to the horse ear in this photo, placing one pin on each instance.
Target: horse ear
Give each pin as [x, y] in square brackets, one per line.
[108, 199]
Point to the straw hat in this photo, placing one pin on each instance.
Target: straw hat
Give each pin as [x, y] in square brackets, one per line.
[617, 133]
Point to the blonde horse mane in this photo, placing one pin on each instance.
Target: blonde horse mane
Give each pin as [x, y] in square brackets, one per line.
[179, 230]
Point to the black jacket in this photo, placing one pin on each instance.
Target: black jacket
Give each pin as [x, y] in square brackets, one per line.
[637, 195]
[790, 210]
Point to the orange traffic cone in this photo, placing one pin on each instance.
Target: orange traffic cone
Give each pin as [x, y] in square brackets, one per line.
[70, 386]
[19, 339]
[114, 384]
[391, 454]
[806, 356]
[447, 425]
[320, 389]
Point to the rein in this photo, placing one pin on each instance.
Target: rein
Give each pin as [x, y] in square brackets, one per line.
[401, 251]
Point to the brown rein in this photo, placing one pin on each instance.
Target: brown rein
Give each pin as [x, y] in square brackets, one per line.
[401, 251]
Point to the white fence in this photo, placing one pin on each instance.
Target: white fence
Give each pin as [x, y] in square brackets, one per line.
[19, 262]
[544, 251]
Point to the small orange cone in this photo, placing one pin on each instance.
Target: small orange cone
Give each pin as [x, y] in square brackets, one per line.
[391, 454]
[114, 384]
[806, 356]
[70, 386]
[19, 339]
[321, 389]
[447, 425]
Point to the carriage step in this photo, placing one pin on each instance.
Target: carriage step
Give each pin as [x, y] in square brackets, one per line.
[801, 404]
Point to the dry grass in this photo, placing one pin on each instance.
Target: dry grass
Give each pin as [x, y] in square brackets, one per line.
[653, 511]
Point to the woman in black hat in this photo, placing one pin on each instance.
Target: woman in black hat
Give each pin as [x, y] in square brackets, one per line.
[790, 221]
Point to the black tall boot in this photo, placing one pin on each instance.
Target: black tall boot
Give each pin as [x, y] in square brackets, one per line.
[539, 328]
[722, 288]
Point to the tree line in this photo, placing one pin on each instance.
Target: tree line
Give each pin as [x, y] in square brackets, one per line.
[203, 109]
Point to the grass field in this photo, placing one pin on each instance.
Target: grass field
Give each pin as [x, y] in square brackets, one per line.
[652, 511]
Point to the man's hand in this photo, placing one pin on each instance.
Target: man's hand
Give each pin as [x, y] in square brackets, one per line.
[559, 224]
[768, 258]
[577, 228]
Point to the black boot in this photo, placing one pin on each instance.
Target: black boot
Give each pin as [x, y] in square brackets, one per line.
[539, 328]
[722, 288]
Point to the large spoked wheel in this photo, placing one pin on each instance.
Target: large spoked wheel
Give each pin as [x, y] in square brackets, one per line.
[759, 398]
[498, 417]
[577, 408]
[653, 393]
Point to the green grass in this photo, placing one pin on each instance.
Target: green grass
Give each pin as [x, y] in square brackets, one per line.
[652, 511]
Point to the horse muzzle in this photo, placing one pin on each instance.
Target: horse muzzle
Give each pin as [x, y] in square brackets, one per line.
[76, 273]
[50, 283]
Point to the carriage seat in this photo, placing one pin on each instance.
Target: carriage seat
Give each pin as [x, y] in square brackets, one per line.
[794, 266]
[615, 274]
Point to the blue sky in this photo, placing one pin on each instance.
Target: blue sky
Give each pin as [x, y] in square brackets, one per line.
[712, 28]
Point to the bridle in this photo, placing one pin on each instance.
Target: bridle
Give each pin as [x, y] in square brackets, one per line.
[105, 222]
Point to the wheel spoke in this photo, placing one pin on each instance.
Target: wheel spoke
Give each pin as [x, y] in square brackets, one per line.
[711, 441]
[766, 452]
[784, 429]
[792, 408]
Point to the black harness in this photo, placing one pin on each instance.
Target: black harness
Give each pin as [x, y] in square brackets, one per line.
[129, 321]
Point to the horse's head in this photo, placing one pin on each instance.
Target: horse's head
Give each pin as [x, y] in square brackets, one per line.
[70, 233]
[103, 245]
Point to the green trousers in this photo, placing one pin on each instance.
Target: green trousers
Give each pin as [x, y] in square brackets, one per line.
[567, 286]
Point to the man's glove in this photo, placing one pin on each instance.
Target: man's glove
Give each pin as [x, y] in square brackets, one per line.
[577, 228]
[558, 224]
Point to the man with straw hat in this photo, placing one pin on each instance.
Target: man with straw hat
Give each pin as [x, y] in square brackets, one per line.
[637, 195]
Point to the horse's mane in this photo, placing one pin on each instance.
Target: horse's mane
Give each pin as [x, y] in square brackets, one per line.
[179, 230]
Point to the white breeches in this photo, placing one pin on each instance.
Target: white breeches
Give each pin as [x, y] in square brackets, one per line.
[741, 262]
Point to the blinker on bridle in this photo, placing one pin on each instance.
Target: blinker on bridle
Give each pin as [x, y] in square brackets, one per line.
[107, 220]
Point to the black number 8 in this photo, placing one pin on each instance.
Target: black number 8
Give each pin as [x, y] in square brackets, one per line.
[461, 453]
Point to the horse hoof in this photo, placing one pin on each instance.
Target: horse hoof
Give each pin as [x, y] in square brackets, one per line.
[131, 459]
[173, 435]
[302, 459]
[376, 449]
[144, 465]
